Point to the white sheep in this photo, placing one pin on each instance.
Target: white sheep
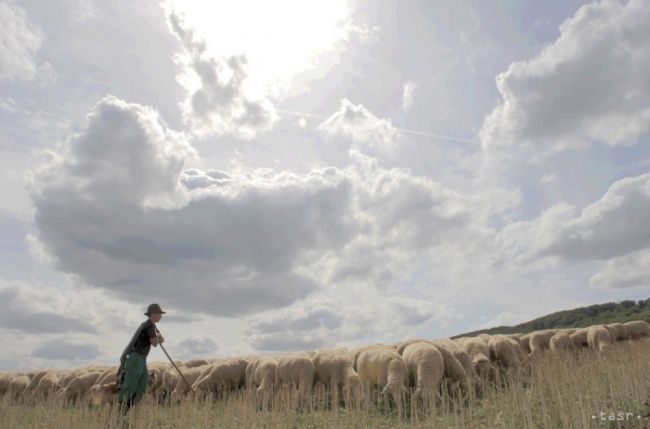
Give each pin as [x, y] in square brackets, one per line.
[260, 374]
[47, 385]
[190, 375]
[425, 365]
[78, 387]
[296, 370]
[222, 375]
[383, 367]
[5, 379]
[334, 370]
[17, 385]
[598, 338]
[540, 340]
[579, 338]
[617, 331]
[477, 349]
[637, 329]
[524, 342]
[471, 378]
[508, 354]
[561, 342]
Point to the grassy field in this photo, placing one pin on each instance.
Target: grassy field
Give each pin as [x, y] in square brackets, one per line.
[568, 391]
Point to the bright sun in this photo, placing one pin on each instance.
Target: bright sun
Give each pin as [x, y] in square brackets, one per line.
[280, 38]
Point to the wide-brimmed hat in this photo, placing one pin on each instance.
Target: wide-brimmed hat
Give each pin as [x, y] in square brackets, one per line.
[154, 308]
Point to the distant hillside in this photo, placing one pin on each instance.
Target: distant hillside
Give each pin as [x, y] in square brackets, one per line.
[610, 312]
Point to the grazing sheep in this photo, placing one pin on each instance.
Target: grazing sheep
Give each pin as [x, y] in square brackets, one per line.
[70, 375]
[17, 385]
[637, 329]
[617, 331]
[478, 350]
[579, 338]
[78, 387]
[155, 373]
[425, 366]
[524, 343]
[560, 342]
[194, 363]
[455, 374]
[5, 379]
[260, 374]
[334, 370]
[109, 375]
[296, 370]
[461, 356]
[404, 344]
[103, 394]
[169, 380]
[226, 374]
[540, 340]
[484, 337]
[34, 378]
[47, 385]
[354, 353]
[384, 367]
[598, 338]
[516, 337]
[507, 354]
[191, 375]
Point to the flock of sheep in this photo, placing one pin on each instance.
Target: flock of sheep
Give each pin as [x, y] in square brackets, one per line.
[421, 365]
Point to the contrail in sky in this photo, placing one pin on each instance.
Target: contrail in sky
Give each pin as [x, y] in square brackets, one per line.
[401, 130]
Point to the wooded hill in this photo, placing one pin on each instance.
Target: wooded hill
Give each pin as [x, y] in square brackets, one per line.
[610, 312]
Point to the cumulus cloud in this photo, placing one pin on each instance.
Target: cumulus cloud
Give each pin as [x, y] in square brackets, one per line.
[114, 211]
[218, 101]
[66, 350]
[19, 43]
[612, 229]
[118, 209]
[198, 346]
[625, 271]
[327, 321]
[356, 122]
[614, 225]
[408, 94]
[589, 85]
[18, 312]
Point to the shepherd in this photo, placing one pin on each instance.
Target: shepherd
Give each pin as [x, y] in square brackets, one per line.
[133, 376]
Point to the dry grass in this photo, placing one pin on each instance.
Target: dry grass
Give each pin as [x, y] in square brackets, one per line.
[563, 391]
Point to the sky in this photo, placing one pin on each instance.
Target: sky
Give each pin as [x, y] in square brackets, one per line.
[294, 175]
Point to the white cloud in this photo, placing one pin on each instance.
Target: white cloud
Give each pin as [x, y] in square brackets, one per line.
[34, 310]
[14, 177]
[356, 122]
[590, 85]
[218, 101]
[114, 211]
[408, 95]
[327, 321]
[505, 318]
[195, 346]
[549, 178]
[626, 271]
[614, 225]
[20, 41]
[66, 350]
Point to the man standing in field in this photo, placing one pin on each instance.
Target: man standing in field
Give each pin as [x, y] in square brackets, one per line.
[133, 376]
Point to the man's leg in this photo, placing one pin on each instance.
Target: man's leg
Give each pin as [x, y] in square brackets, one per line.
[133, 368]
[143, 382]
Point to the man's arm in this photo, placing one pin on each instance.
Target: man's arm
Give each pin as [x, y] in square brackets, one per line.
[154, 335]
